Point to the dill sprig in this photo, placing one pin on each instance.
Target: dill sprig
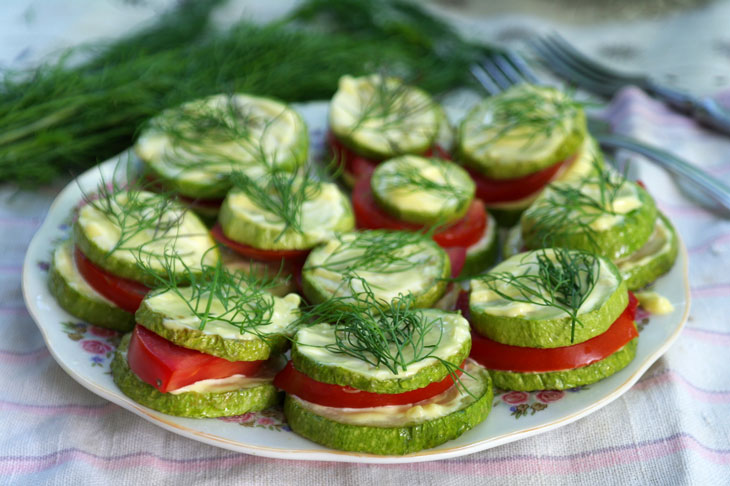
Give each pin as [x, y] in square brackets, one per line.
[135, 211]
[280, 193]
[392, 334]
[568, 208]
[525, 113]
[377, 251]
[212, 292]
[557, 278]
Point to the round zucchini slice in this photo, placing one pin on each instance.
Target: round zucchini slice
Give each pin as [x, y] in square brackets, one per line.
[522, 301]
[118, 229]
[78, 298]
[607, 215]
[223, 399]
[564, 380]
[318, 209]
[652, 260]
[192, 149]
[521, 131]
[420, 190]
[396, 430]
[446, 332]
[482, 254]
[381, 117]
[265, 322]
[393, 263]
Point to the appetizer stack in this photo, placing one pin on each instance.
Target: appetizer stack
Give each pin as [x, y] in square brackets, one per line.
[376, 359]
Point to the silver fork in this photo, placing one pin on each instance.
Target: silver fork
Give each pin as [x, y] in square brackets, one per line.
[570, 63]
[499, 71]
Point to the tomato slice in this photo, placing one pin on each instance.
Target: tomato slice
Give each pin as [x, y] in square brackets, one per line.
[505, 190]
[497, 356]
[198, 202]
[464, 232]
[360, 166]
[457, 257]
[167, 366]
[125, 293]
[256, 253]
[297, 383]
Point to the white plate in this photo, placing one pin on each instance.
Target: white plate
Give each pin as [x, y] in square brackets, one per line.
[84, 352]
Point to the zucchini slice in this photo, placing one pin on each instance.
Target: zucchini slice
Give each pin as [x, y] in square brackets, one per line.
[521, 131]
[563, 380]
[396, 430]
[448, 333]
[193, 148]
[392, 263]
[171, 315]
[322, 211]
[113, 230]
[607, 215]
[652, 260]
[222, 399]
[420, 190]
[508, 310]
[78, 298]
[381, 117]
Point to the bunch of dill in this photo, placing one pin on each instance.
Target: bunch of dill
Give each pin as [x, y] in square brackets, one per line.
[66, 115]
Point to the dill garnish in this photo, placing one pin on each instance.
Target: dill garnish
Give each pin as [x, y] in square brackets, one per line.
[555, 278]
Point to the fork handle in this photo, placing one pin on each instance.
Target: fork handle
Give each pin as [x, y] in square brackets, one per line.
[705, 110]
[709, 185]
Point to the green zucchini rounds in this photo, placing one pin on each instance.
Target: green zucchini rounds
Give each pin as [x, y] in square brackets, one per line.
[552, 319]
[379, 420]
[192, 149]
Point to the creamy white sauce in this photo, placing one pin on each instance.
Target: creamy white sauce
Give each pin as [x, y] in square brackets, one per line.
[65, 263]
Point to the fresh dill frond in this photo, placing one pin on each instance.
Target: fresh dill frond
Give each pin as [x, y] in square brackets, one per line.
[214, 293]
[556, 278]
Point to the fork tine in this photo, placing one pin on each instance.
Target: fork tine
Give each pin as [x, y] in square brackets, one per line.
[495, 73]
[590, 64]
[522, 68]
[554, 46]
[484, 79]
[509, 71]
[557, 64]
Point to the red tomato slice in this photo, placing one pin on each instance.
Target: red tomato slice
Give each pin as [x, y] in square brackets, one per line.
[457, 257]
[296, 383]
[504, 190]
[167, 366]
[256, 253]
[464, 232]
[497, 356]
[198, 202]
[125, 293]
[360, 166]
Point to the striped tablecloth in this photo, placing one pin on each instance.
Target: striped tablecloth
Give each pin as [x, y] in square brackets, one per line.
[671, 428]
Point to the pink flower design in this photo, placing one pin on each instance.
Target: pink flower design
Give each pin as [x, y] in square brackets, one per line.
[265, 421]
[240, 419]
[547, 396]
[515, 397]
[101, 332]
[95, 347]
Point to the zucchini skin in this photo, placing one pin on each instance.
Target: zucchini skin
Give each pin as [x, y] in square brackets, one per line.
[388, 440]
[618, 241]
[640, 276]
[189, 404]
[480, 260]
[551, 333]
[563, 380]
[95, 310]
